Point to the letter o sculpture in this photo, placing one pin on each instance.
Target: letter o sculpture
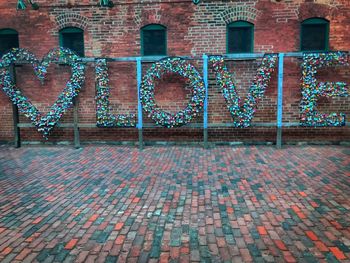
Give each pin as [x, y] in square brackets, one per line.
[187, 71]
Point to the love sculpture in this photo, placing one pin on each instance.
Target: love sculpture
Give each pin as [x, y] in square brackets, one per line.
[242, 113]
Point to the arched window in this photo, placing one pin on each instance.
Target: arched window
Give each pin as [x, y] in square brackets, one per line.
[72, 38]
[8, 40]
[240, 37]
[314, 34]
[153, 40]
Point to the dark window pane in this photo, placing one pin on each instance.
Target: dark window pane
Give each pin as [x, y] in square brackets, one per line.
[8, 41]
[240, 39]
[154, 42]
[74, 41]
[314, 37]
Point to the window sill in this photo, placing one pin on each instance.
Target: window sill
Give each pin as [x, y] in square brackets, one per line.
[244, 56]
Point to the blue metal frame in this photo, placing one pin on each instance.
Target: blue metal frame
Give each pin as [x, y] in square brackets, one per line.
[205, 106]
[280, 100]
[139, 105]
[205, 78]
[279, 122]
[280, 89]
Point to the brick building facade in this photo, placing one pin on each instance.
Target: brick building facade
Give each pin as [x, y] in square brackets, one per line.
[191, 31]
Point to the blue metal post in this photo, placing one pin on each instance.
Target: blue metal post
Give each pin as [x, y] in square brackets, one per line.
[139, 105]
[205, 115]
[280, 100]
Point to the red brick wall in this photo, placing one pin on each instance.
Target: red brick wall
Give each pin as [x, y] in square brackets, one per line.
[192, 30]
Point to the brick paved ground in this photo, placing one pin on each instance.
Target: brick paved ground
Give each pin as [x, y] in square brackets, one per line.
[108, 204]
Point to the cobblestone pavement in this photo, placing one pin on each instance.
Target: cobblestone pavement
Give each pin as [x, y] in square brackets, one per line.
[176, 204]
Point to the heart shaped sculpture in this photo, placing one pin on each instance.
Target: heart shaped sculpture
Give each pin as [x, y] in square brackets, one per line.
[44, 123]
